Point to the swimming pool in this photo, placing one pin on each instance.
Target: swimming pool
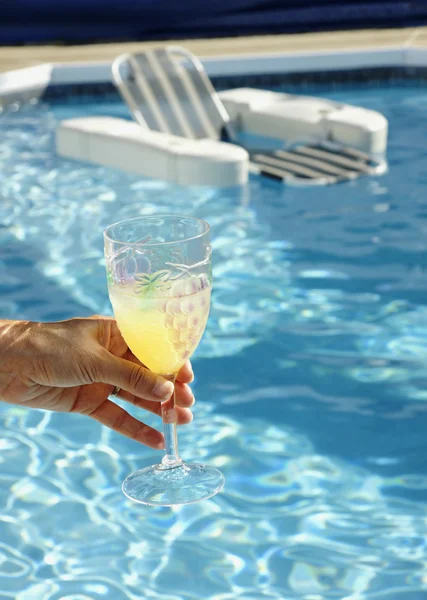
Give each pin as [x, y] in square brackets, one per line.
[311, 382]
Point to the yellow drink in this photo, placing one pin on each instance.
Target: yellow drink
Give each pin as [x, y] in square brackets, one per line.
[163, 328]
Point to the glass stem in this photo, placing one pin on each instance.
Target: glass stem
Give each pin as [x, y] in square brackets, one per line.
[171, 458]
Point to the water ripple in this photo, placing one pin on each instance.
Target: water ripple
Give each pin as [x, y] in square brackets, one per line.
[313, 364]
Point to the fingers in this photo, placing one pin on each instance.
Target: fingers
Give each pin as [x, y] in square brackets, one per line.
[183, 396]
[186, 374]
[113, 416]
[183, 415]
[133, 378]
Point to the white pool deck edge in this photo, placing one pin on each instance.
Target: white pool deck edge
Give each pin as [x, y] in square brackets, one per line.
[23, 81]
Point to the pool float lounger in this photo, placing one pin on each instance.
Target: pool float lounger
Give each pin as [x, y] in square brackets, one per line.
[123, 144]
[294, 118]
[190, 134]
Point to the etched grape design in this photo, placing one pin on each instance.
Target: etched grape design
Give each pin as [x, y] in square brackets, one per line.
[186, 313]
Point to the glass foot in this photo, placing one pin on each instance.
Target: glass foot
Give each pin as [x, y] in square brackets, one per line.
[184, 484]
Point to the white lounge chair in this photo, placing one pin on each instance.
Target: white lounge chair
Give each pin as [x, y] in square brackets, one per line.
[183, 131]
[179, 123]
[167, 89]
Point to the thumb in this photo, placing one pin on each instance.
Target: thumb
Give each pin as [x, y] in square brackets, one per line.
[134, 379]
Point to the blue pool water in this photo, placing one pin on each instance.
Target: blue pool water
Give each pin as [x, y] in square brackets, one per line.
[311, 382]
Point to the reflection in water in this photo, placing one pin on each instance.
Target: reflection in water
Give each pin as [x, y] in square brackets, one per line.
[291, 520]
[311, 384]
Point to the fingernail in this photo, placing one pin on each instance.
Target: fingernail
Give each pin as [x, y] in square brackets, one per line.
[163, 389]
[193, 401]
[169, 416]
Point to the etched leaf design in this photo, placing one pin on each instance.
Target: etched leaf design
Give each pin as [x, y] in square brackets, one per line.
[146, 284]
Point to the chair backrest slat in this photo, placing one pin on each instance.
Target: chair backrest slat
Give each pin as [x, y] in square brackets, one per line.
[168, 90]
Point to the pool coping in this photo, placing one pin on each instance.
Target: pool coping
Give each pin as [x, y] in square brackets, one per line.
[32, 81]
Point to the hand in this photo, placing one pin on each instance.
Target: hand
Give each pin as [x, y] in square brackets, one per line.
[73, 366]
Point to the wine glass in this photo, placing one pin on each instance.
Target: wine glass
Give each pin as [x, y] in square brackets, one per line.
[159, 282]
